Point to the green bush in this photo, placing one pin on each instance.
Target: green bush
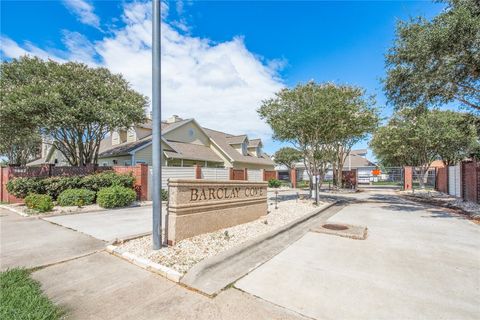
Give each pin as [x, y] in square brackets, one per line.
[164, 195]
[303, 184]
[39, 202]
[106, 179]
[115, 196]
[21, 187]
[274, 183]
[54, 186]
[76, 197]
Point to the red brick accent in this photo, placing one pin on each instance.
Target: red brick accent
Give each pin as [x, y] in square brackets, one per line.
[245, 174]
[470, 181]
[198, 172]
[293, 177]
[269, 174]
[5, 176]
[230, 174]
[140, 172]
[441, 179]
[407, 178]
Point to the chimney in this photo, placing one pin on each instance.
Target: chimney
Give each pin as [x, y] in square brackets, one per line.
[174, 119]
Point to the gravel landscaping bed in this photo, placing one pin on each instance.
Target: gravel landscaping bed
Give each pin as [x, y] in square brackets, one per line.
[188, 252]
[446, 200]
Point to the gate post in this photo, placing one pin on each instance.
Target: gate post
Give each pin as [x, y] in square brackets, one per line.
[293, 177]
[407, 178]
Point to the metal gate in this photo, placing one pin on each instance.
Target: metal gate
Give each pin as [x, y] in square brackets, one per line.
[388, 176]
[428, 178]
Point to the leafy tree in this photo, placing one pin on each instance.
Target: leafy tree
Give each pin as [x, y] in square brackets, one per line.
[438, 61]
[418, 137]
[316, 119]
[288, 157]
[72, 105]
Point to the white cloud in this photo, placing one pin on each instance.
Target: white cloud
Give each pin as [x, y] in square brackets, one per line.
[84, 12]
[219, 84]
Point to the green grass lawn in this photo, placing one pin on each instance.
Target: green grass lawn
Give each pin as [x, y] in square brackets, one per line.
[22, 298]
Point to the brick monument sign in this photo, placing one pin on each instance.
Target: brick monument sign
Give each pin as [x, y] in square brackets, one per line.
[202, 206]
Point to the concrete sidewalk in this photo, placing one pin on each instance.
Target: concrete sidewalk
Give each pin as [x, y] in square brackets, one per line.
[111, 225]
[102, 286]
[418, 262]
[31, 242]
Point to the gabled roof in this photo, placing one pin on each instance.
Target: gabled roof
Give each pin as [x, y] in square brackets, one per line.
[222, 140]
[236, 139]
[124, 149]
[356, 161]
[254, 143]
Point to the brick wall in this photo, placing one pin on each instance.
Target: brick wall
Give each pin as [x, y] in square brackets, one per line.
[470, 171]
[140, 172]
[441, 179]
[407, 178]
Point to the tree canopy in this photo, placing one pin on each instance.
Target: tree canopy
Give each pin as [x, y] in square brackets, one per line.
[320, 120]
[71, 105]
[418, 137]
[288, 156]
[437, 62]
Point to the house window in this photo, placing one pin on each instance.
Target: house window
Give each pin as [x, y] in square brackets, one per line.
[105, 164]
[115, 161]
[244, 149]
[259, 151]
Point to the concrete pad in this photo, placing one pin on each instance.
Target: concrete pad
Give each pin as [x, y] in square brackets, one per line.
[417, 263]
[212, 275]
[32, 242]
[110, 225]
[101, 286]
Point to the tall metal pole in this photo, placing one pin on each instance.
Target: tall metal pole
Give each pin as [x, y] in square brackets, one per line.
[157, 131]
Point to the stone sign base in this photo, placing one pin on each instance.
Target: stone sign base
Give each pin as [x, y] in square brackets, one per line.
[201, 206]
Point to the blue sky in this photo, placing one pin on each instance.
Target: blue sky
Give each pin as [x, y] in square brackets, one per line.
[221, 58]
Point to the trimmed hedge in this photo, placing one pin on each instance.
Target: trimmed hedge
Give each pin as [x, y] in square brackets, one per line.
[21, 187]
[106, 179]
[54, 186]
[274, 183]
[39, 202]
[76, 197]
[115, 196]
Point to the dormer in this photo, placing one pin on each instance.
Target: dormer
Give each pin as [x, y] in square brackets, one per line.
[255, 147]
[239, 143]
[119, 136]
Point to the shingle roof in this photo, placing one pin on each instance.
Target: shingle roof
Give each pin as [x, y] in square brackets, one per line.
[356, 161]
[222, 140]
[254, 143]
[192, 152]
[235, 139]
[125, 148]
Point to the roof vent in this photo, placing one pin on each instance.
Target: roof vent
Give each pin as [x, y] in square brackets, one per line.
[174, 119]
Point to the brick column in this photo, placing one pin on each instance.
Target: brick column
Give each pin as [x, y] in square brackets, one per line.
[198, 172]
[407, 178]
[245, 174]
[230, 174]
[293, 177]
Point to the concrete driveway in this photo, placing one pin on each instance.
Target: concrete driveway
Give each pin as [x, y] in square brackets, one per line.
[32, 242]
[418, 262]
[110, 225]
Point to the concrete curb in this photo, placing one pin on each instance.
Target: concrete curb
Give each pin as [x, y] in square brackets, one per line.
[19, 212]
[438, 203]
[190, 279]
[146, 264]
